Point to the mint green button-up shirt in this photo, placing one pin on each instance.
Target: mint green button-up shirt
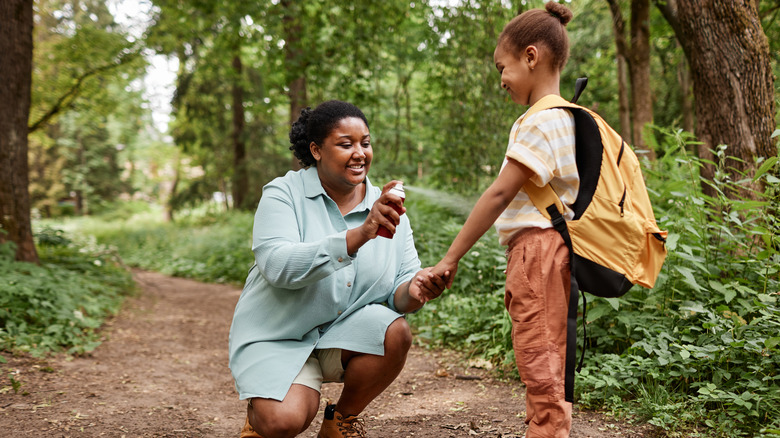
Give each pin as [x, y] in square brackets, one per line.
[305, 292]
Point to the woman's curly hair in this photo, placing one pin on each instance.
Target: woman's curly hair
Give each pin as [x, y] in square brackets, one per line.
[315, 125]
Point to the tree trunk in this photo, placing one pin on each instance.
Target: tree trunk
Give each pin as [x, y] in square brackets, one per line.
[636, 56]
[240, 186]
[169, 210]
[297, 103]
[623, 101]
[16, 48]
[639, 69]
[621, 49]
[295, 63]
[733, 83]
[80, 208]
[686, 100]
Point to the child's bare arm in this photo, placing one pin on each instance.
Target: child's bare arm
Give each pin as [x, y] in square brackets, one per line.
[485, 212]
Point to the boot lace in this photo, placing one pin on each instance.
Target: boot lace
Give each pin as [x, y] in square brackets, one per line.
[352, 427]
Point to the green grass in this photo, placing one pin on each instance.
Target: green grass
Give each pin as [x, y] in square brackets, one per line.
[204, 244]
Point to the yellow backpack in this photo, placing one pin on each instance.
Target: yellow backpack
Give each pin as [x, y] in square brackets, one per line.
[613, 239]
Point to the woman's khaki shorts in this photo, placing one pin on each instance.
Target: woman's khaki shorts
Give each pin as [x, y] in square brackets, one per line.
[322, 366]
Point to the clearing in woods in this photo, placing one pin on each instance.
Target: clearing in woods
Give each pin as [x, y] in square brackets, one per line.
[162, 372]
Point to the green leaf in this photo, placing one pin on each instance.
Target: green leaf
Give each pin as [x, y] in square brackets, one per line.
[688, 277]
[614, 302]
[719, 287]
[772, 342]
[766, 166]
[728, 291]
[693, 307]
[671, 241]
[597, 312]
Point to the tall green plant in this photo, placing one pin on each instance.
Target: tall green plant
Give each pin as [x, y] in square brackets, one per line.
[702, 346]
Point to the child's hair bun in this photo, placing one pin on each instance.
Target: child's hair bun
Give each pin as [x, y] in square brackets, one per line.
[559, 11]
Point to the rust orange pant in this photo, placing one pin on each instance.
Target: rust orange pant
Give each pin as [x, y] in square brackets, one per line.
[537, 297]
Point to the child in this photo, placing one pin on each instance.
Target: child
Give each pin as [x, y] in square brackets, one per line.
[530, 54]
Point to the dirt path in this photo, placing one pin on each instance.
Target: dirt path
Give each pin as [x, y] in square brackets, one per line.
[162, 372]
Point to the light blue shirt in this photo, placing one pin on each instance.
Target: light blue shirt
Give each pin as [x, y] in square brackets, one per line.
[305, 292]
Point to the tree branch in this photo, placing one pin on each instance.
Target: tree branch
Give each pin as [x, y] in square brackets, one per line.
[668, 9]
[771, 11]
[68, 97]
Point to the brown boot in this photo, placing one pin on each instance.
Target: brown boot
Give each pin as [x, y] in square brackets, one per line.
[336, 425]
[248, 431]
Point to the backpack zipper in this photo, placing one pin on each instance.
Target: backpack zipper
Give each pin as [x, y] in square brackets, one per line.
[622, 201]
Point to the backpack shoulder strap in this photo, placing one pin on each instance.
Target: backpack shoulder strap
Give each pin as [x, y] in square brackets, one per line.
[543, 197]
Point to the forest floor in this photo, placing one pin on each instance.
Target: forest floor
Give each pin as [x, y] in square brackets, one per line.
[162, 372]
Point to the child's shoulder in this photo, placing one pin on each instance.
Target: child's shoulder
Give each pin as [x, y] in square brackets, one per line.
[551, 117]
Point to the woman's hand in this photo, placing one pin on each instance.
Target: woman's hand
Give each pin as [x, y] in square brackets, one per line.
[423, 287]
[381, 215]
[426, 285]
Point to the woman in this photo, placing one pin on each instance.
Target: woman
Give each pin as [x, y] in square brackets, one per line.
[325, 298]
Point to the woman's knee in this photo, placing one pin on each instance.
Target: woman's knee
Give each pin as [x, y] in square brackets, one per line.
[273, 420]
[280, 425]
[398, 338]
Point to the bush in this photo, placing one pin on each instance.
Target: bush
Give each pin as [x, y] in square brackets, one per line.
[702, 346]
[62, 303]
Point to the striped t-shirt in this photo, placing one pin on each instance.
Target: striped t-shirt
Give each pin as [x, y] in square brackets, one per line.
[545, 144]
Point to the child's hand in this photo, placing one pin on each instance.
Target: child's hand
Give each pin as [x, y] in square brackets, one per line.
[446, 269]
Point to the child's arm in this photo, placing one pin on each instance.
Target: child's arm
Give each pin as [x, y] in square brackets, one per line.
[485, 212]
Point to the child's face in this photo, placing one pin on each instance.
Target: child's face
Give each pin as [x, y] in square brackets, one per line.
[515, 74]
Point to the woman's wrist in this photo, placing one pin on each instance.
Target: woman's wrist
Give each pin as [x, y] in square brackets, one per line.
[409, 302]
[356, 238]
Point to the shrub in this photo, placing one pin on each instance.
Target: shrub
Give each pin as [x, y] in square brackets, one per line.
[62, 303]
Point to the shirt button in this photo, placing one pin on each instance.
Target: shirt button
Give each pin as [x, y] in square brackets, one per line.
[349, 284]
[339, 312]
[341, 259]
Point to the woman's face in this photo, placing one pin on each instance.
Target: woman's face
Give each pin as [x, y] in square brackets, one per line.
[345, 155]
